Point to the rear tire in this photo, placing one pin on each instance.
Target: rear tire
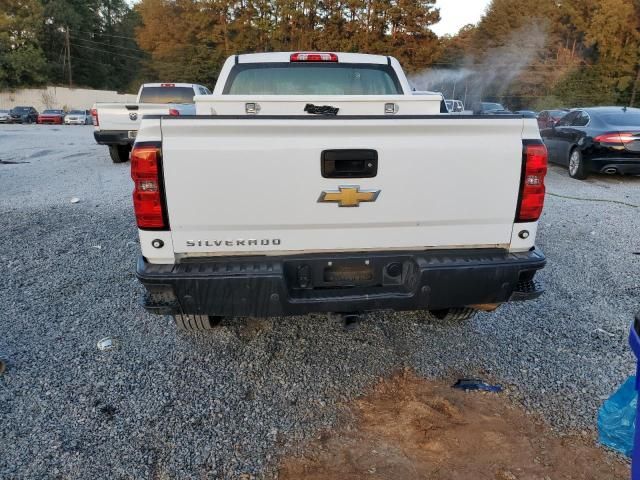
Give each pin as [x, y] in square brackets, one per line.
[119, 153]
[453, 314]
[577, 168]
[196, 323]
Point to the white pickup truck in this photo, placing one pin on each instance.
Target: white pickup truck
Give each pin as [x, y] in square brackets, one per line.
[316, 182]
[116, 124]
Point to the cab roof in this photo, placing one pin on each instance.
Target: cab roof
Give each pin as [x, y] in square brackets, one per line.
[285, 57]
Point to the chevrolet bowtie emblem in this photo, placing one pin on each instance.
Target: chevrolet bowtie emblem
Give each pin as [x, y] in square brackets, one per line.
[349, 196]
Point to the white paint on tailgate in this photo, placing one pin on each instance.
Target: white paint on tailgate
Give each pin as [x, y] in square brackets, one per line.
[159, 255]
[443, 182]
[520, 244]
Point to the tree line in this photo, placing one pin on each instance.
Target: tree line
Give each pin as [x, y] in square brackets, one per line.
[524, 53]
[38, 37]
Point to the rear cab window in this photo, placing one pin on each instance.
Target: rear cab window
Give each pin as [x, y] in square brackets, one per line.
[167, 94]
[312, 79]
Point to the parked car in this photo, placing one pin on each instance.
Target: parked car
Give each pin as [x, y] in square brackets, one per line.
[490, 108]
[23, 115]
[78, 117]
[526, 113]
[206, 253]
[51, 117]
[4, 116]
[454, 106]
[116, 124]
[599, 139]
[548, 118]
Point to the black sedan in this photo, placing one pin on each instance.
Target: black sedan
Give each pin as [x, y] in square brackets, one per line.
[23, 115]
[599, 139]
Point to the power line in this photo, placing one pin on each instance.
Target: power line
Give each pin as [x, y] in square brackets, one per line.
[108, 51]
[84, 60]
[107, 35]
[451, 64]
[107, 44]
[122, 55]
[488, 66]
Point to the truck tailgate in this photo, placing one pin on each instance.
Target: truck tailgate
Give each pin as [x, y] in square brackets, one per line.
[253, 185]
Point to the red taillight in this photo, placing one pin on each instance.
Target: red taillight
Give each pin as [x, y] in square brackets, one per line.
[94, 117]
[532, 189]
[174, 112]
[617, 138]
[313, 57]
[147, 192]
[167, 84]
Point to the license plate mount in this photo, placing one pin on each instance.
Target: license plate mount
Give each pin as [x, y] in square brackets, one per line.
[348, 274]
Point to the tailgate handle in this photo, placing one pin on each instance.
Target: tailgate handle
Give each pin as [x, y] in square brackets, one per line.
[349, 163]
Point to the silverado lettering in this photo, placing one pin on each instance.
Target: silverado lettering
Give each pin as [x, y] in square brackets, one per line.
[232, 243]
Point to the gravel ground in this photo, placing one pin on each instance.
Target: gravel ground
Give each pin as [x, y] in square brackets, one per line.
[168, 405]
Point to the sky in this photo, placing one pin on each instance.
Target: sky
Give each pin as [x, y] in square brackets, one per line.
[455, 14]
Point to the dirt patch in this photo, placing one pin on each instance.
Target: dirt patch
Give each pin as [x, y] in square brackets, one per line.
[409, 428]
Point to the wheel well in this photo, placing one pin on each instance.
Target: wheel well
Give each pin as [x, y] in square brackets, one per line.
[571, 150]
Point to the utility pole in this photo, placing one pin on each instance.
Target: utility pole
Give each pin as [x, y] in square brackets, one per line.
[634, 91]
[64, 60]
[466, 84]
[68, 56]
